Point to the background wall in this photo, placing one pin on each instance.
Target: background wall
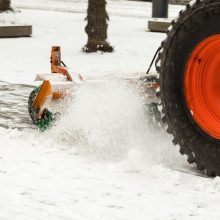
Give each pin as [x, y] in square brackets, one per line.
[179, 2]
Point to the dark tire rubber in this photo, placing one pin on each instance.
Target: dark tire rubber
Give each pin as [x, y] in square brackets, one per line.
[197, 22]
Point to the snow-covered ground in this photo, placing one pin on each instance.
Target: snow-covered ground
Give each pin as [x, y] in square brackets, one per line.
[102, 160]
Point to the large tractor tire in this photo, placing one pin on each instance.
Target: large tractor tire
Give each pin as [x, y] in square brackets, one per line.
[189, 69]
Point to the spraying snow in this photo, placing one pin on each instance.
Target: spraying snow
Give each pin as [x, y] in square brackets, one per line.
[108, 120]
[105, 117]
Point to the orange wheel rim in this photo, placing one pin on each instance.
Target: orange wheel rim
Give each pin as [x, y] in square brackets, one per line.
[202, 85]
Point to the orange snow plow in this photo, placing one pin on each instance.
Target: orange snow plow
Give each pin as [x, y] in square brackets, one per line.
[55, 87]
[47, 101]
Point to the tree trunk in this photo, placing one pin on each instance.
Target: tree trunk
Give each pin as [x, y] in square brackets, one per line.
[96, 28]
[5, 5]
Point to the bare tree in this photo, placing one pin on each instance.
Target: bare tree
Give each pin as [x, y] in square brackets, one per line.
[96, 28]
[5, 5]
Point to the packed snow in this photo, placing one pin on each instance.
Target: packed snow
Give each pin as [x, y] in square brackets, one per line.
[103, 159]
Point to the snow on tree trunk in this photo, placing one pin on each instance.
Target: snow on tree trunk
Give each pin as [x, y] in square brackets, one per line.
[5, 5]
[96, 28]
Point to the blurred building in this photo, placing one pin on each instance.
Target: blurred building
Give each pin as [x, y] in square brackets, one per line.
[179, 2]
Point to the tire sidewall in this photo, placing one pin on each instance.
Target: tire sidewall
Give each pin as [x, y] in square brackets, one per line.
[194, 28]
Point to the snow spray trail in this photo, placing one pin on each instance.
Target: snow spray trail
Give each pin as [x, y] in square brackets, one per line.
[108, 120]
[13, 105]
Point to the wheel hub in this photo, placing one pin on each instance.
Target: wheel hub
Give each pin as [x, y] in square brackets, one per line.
[202, 85]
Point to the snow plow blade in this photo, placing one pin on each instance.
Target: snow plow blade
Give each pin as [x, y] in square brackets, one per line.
[44, 100]
[48, 100]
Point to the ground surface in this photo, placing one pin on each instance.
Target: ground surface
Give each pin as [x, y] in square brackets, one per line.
[102, 160]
